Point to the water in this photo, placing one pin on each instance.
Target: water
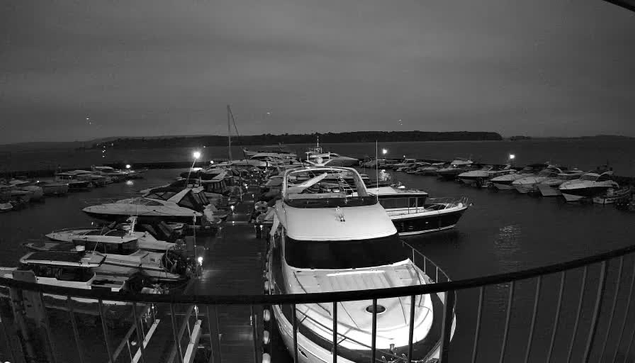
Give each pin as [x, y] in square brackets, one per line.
[585, 154]
[501, 232]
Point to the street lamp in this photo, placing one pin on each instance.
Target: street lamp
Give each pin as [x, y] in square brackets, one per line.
[512, 156]
[195, 155]
[384, 151]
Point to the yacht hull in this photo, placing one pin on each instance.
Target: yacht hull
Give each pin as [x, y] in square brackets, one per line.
[524, 188]
[576, 195]
[427, 221]
[503, 185]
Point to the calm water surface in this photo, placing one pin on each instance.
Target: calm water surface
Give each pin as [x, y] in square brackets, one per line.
[501, 232]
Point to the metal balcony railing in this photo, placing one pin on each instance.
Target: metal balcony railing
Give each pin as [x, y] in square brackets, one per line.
[574, 311]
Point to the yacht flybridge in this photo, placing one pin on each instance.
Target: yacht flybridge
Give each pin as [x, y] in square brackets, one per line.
[330, 234]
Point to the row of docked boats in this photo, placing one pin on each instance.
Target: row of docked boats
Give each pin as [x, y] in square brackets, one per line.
[544, 179]
[138, 247]
[16, 193]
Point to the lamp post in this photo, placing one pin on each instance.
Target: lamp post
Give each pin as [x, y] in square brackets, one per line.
[195, 155]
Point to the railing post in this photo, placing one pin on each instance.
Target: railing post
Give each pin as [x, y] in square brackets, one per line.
[140, 335]
[373, 336]
[411, 326]
[563, 275]
[612, 314]
[334, 331]
[71, 313]
[254, 332]
[626, 311]
[446, 328]
[295, 332]
[533, 318]
[579, 312]
[507, 318]
[177, 341]
[596, 311]
[105, 329]
[481, 292]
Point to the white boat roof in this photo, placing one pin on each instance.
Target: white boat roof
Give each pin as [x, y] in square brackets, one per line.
[106, 239]
[325, 224]
[69, 259]
[390, 190]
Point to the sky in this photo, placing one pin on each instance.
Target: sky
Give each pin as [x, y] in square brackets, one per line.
[84, 69]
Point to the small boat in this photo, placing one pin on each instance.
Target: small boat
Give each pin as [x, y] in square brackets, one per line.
[504, 182]
[430, 169]
[550, 186]
[75, 183]
[122, 256]
[74, 270]
[317, 156]
[37, 193]
[588, 186]
[6, 207]
[151, 235]
[109, 171]
[612, 195]
[414, 213]
[51, 187]
[456, 167]
[405, 163]
[329, 234]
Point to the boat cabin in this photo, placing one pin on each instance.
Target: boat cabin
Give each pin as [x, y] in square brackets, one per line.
[191, 198]
[118, 246]
[62, 266]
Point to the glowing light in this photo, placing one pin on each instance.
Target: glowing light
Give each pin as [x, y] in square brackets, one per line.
[200, 260]
[384, 151]
[512, 156]
[196, 154]
[128, 166]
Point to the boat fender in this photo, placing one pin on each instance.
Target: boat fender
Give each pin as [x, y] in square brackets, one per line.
[266, 315]
[267, 287]
[265, 337]
[266, 358]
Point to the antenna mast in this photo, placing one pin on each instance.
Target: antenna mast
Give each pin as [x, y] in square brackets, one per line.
[229, 132]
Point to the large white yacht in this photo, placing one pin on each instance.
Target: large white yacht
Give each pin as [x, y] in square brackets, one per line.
[588, 186]
[329, 234]
[481, 176]
[168, 205]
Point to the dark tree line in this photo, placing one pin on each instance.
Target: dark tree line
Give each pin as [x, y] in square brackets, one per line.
[269, 139]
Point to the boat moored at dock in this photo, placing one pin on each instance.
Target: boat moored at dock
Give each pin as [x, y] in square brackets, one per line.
[330, 234]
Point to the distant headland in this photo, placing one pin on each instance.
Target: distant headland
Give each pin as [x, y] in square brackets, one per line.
[270, 139]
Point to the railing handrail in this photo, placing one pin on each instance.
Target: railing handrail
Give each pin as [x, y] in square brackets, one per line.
[325, 296]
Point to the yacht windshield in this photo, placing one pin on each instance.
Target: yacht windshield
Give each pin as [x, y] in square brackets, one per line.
[344, 254]
[589, 177]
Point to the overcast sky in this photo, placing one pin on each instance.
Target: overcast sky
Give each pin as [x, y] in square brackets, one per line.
[83, 69]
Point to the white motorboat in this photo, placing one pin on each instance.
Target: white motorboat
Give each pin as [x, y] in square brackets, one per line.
[430, 169]
[413, 213]
[6, 207]
[75, 183]
[146, 232]
[109, 171]
[588, 186]
[74, 270]
[122, 256]
[405, 163]
[529, 184]
[504, 182]
[177, 207]
[51, 187]
[317, 156]
[550, 186]
[481, 176]
[329, 234]
[37, 192]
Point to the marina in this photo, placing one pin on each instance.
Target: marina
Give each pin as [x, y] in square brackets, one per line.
[493, 237]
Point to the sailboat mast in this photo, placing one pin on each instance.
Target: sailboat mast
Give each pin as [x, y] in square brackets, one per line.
[229, 132]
